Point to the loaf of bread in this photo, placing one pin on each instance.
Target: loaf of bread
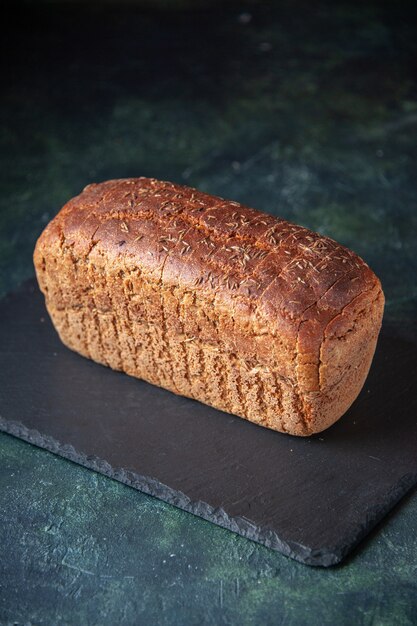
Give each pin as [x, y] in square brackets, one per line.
[212, 300]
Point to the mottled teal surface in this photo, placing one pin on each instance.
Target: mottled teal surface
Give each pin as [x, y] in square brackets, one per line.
[310, 113]
[79, 548]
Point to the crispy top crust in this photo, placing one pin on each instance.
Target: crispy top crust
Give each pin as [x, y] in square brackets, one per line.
[278, 278]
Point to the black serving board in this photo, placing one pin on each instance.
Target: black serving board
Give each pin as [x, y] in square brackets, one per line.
[312, 499]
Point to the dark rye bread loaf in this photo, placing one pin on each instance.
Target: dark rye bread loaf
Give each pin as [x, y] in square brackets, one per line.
[212, 300]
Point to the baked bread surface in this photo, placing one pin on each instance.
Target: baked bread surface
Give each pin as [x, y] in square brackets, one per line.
[212, 300]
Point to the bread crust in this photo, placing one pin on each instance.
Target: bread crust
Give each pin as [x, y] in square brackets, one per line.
[212, 300]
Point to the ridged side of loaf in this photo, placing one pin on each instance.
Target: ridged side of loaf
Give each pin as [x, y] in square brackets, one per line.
[212, 300]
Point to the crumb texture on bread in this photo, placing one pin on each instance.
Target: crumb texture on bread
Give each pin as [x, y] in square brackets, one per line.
[212, 300]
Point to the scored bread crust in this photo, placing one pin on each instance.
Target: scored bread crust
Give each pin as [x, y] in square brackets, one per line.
[212, 300]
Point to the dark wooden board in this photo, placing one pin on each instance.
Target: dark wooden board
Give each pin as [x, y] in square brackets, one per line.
[312, 499]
